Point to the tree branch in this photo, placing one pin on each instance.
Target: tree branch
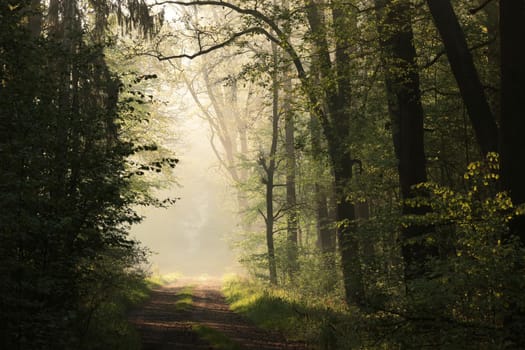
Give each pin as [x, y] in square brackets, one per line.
[475, 10]
[443, 52]
[280, 39]
[229, 41]
[262, 214]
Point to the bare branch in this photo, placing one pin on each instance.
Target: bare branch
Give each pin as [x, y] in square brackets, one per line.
[475, 10]
[215, 150]
[442, 52]
[229, 41]
[262, 214]
[280, 39]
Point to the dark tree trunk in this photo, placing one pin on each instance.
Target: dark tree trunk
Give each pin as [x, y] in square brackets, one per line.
[348, 243]
[491, 11]
[269, 168]
[406, 113]
[466, 75]
[291, 196]
[326, 236]
[336, 76]
[512, 31]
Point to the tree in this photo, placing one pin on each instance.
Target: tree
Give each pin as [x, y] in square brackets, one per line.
[334, 121]
[337, 93]
[512, 29]
[407, 118]
[466, 75]
[66, 199]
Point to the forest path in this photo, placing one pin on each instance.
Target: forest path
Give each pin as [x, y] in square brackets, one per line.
[164, 324]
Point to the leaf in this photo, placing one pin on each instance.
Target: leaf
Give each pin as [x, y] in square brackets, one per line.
[13, 7]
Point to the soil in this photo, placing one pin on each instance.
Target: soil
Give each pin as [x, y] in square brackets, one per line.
[164, 326]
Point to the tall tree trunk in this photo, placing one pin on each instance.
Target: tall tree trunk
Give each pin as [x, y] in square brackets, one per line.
[291, 196]
[326, 236]
[406, 114]
[337, 89]
[493, 55]
[466, 75]
[339, 101]
[269, 167]
[512, 31]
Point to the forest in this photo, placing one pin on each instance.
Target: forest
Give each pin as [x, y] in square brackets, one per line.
[374, 151]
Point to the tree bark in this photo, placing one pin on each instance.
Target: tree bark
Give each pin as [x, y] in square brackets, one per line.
[466, 75]
[270, 167]
[291, 195]
[337, 89]
[407, 119]
[512, 29]
[512, 146]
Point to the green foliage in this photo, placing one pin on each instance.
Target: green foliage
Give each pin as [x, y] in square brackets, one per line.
[473, 285]
[264, 306]
[184, 298]
[107, 305]
[471, 288]
[297, 317]
[69, 268]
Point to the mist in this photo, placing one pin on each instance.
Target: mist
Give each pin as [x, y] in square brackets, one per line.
[192, 236]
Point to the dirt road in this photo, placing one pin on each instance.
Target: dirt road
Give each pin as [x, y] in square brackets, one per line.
[164, 325]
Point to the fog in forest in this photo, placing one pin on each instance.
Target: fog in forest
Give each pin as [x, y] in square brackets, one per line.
[193, 236]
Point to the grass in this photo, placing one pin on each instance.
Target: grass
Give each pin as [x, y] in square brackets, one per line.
[295, 317]
[184, 298]
[215, 338]
[270, 309]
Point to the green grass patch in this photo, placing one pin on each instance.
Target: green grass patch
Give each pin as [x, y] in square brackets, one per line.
[313, 321]
[156, 279]
[268, 308]
[215, 338]
[184, 298]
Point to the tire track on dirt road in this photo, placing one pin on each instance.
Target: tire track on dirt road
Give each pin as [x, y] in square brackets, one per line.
[164, 326]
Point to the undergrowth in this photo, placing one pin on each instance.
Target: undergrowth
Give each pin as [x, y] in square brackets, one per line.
[321, 322]
[109, 325]
[295, 317]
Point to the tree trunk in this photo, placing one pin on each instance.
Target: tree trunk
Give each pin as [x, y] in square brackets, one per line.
[326, 236]
[291, 196]
[512, 31]
[407, 117]
[270, 167]
[336, 78]
[346, 227]
[466, 75]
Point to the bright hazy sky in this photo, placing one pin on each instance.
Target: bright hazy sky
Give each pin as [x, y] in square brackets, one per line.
[191, 236]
